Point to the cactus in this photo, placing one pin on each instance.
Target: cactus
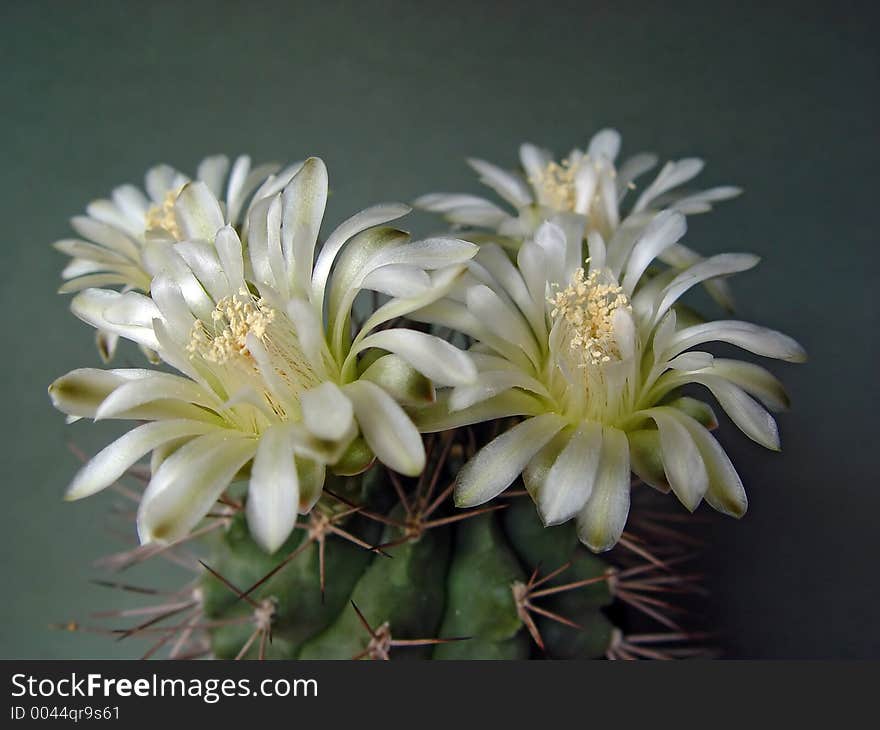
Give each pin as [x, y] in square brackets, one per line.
[384, 568]
[359, 484]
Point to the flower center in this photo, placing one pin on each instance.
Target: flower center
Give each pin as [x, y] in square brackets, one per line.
[161, 216]
[283, 371]
[234, 318]
[587, 305]
[555, 184]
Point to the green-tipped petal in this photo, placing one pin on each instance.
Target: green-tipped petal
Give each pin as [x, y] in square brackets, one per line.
[387, 429]
[501, 461]
[273, 492]
[601, 521]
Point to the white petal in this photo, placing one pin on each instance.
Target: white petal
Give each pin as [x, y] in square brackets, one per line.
[509, 186]
[469, 210]
[303, 203]
[436, 359]
[753, 379]
[188, 483]
[212, 171]
[114, 460]
[490, 384]
[663, 230]
[682, 460]
[632, 168]
[534, 159]
[751, 418]
[605, 145]
[173, 307]
[721, 265]
[672, 175]
[506, 274]
[387, 429]
[89, 306]
[309, 331]
[398, 280]
[429, 253]
[157, 386]
[437, 417]
[132, 309]
[198, 213]
[229, 251]
[490, 309]
[205, 264]
[327, 412]
[726, 493]
[750, 337]
[601, 521]
[273, 492]
[569, 481]
[358, 223]
[501, 461]
[159, 180]
[80, 392]
[106, 236]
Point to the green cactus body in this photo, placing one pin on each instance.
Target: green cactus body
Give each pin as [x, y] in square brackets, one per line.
[463, 583]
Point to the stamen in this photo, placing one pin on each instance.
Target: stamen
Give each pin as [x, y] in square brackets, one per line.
[161, 216]
[556, 183]
[588, 306]
[234, 318]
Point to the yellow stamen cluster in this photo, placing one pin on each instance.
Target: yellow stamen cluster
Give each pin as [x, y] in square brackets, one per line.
[588, 305]
[234, 318]
[556, 183]
[161, 216]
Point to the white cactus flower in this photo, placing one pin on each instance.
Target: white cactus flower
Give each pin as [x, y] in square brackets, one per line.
[592, 358]
[586, 192]
[115, 233]
[273, 382]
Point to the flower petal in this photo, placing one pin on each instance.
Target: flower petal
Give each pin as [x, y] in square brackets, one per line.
[501, 461]
[682, 460]
[273, 492]
[726, 493]
[198, 213]
[509, 186]
[569, 481]
[601, 521]
[663, 230]
[435, 358]
[303, 203]
[90, 305]
[113, 461]
[398, 280]
[748, 336]
[387, 429]
[327, 412]
[437, 416]
[155, 387]
[368, 218]
[400, 380]
[188, 483]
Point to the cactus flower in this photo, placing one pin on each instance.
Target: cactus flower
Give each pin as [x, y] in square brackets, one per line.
[273, 383]
[114, 235]
[586, 192]
[592, 357]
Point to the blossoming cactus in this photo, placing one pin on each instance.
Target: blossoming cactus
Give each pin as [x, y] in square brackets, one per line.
[287, 467]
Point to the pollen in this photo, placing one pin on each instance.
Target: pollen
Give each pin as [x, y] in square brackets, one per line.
[161, 216]
[587, 305]
[556, 182]
[233, 319]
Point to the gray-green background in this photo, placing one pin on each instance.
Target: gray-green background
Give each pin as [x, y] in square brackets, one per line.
[779, 98]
